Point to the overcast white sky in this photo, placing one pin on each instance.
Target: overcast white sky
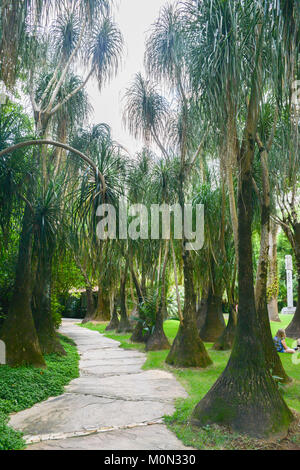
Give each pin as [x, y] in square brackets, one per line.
[134, 18]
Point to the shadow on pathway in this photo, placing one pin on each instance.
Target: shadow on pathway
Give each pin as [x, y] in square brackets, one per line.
[113, 405]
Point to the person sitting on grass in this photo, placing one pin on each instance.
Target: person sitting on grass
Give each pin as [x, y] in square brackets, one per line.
[280, 344]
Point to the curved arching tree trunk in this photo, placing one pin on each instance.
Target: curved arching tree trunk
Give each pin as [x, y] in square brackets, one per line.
[214, 324]
[18, 331]
[41, 308]
[157, 340]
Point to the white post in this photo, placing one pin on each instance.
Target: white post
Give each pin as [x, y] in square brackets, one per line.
[289, 286]
[2, 352]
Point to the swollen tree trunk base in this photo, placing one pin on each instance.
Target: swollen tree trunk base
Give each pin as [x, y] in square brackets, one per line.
[50, 343]
[114, 322]
[201, 314]
[225, 342]
[214, 322]
[273, 310]
[188, 349]
[157, 341]
[21, 340]
[124, 326]
[293, 329]
[100, 316]
[246, 399]
[18, 332]
[90, 305]
[137, 335]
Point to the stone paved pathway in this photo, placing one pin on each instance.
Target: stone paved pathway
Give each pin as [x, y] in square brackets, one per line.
[113, 405]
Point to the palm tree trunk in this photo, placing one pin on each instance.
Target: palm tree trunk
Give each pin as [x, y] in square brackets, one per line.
[18, 332]
[214, 324]
[158, 340]
[245, 397]
[137, 335]
[114, 322]
[293, 330]
[225, 341]
[188, 349]
[201, 312]
[272, 283]
[176, 283]
[90, 304]
[102, 311]
[42, 314]
[272, 358]
[124, 325]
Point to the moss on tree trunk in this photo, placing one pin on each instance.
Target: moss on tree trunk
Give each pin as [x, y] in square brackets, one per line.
[114, 321]
[214, 324]
[102, 311]
[41, 308]
[225, 341]
[201, 313]
[273, 361]
[293, 330]
[124, 325]
[90, 304]
[188, 349]
[157, 339]
[18, 332]
[245, 396]
[272, 283]
[138, 335]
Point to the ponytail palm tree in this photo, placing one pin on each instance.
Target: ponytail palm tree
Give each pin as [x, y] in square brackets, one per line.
[165, 59]
[109, 158]
[47, 222]
[145, 112]
[22, 347]
[99, 43]
[245, 397]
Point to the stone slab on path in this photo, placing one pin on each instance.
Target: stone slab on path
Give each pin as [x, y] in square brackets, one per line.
[113, 405]
[152, 437]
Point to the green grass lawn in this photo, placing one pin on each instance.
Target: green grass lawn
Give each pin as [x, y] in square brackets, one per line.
[22, 387]
[197, 382]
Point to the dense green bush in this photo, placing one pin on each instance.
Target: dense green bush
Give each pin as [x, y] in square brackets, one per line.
[22, 387]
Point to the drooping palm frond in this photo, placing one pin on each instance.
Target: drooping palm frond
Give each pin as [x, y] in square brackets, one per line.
[165, 47]
[146, 111]
[47, 217]
[15, 168]
[110, 160]
[104, 50]
[65, 33]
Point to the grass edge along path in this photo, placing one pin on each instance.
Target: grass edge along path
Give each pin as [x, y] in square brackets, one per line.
[197, 382]
[22, 387]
